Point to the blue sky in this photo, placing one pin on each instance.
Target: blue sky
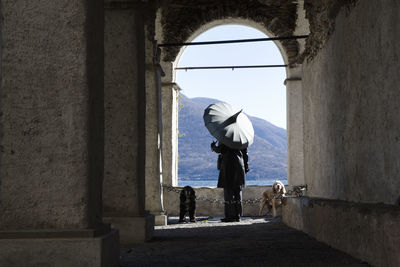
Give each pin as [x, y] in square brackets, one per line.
[260, 92]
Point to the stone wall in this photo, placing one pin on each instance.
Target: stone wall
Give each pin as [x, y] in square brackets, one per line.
[351, 132]
[52, 135]
[370, 232]
[51, 115]
[351, 97]
[210, 201]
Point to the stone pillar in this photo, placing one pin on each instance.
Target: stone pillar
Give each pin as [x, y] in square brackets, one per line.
[294, 98]
[125, 138]
[170, 93]
[52, 135]
[153, 117]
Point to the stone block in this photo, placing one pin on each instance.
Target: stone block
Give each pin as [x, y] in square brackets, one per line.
[161, 219]
[102, 251]
[133, 230]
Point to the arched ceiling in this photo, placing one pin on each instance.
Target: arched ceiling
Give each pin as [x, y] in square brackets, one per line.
[180, 19]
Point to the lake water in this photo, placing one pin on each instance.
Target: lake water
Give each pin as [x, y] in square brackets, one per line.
[207, 183]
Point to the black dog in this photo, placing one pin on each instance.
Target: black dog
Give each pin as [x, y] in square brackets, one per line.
[188, 204]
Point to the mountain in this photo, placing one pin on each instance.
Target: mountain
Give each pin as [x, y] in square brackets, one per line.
[267, 155]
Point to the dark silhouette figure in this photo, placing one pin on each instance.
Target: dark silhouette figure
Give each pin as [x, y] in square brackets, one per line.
[232, 165]
[187, 204]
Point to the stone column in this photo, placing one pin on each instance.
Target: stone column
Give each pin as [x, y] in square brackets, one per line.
[125, 107]
[294, 98]
[52, 135]
[153, 114]
[170, 93]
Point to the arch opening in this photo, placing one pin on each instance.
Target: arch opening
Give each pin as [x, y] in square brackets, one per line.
[260, 92]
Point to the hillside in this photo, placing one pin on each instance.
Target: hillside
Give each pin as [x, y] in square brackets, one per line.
[267, 155]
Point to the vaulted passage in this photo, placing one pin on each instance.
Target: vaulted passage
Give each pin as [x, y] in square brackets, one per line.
[87, 129]
[252, 242]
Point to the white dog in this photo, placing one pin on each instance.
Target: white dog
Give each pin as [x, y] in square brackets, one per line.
[273, 197]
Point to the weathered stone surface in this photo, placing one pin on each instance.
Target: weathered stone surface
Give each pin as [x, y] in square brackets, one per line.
[170, 133]
[181, 19]
[321, 16]
[51, 135]
[51, 114]
[295, 123]
[370, 232]
[121, 104]
[351, 132]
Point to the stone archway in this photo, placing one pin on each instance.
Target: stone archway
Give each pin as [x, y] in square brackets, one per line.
[272, 25]
[201, 30]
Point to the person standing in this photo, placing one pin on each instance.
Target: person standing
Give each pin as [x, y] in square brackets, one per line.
[233, 166]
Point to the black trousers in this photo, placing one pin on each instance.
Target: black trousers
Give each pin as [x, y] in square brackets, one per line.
[233, 202]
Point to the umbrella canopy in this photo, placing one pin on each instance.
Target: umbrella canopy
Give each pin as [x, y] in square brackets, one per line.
[229, 125]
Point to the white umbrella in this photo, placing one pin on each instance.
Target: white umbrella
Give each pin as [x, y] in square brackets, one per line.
[229, 125]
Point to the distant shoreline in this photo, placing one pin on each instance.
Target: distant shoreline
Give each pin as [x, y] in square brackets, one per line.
[213, 183]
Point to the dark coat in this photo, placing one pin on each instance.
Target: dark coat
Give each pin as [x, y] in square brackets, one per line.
[233, 167]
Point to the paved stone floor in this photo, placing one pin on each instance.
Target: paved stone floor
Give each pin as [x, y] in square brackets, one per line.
[251, 242]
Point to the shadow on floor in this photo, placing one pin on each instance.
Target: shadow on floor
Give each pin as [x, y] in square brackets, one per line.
[251, 242]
